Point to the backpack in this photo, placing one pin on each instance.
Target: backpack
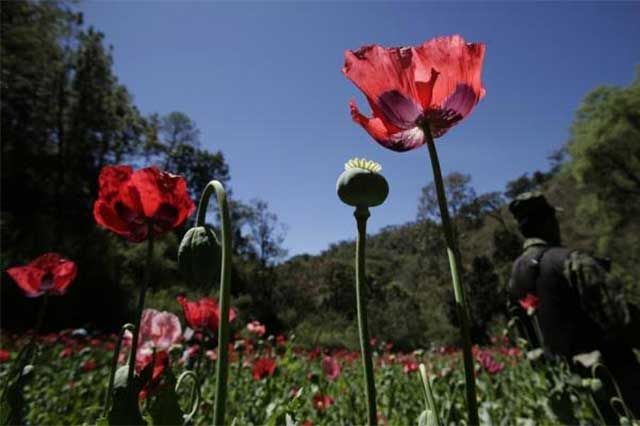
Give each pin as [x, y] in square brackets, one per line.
[600, 295]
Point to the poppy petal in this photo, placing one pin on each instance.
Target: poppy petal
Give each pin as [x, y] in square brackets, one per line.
[109, 218]
[455, 60]
[384, 133]
[376, 70]
[63, 275]
[462, 100]
[28, 279]
[425, 89]
[407, 140]
[111, 180]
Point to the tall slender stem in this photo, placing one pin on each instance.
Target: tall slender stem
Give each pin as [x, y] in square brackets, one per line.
[114, 366]
[26, 353]
[143, 292]
[454, 264]
[222, 364]
[362, 214]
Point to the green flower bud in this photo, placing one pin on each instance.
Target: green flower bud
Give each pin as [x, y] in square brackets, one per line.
[199, 255]
[361, 184]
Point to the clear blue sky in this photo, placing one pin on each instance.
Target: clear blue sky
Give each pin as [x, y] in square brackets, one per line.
[263, 83]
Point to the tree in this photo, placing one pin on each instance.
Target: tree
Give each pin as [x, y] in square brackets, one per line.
[459, 195]
[267, 234]
[526, 184]
[173, 143]
[605, 146]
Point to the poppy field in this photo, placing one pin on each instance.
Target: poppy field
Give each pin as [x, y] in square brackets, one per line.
[270, 378]
[189, 313]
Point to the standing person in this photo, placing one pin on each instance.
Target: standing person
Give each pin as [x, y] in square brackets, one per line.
[580, 308]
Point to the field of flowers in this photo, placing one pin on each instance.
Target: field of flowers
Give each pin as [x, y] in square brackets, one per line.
[203, 367]
[270, 378]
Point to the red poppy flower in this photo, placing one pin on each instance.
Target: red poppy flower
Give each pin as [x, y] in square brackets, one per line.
[409, 367]
[263, 367]
[66, 352]
[129, 202]
[436, 84]
[161, 363]
[530, 303]
[49, 273]
[4, 356]
[89, 365]
[203, 314]
[322, 402]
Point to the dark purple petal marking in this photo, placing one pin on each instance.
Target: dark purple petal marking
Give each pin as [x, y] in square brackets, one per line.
[401, 111]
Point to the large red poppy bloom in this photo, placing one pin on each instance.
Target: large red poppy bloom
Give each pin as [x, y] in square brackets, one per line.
[203, 314]
[50, 273]
[129, 203]
[436, 84]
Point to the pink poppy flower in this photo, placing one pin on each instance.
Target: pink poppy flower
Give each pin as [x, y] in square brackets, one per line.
[158, 331]
[255, 327]
[434, 85]
[331, 367]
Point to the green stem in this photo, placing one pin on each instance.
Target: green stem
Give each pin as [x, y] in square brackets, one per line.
[537, 329]
[362, 214]
[428, 393]
[26, 353]
[222, 365]
[194, 403]
[114, 366]
[454, 264]
[143, 292]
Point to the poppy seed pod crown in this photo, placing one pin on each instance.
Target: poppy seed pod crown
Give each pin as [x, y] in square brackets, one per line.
[361, 184]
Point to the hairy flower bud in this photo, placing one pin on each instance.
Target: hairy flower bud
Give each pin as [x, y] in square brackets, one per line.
[199, 255]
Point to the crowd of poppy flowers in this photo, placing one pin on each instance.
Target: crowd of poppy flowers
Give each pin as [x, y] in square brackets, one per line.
[415, 94]
[271, 373]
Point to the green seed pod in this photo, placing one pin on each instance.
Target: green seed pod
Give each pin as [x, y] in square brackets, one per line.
[361, 184]
[199, 255]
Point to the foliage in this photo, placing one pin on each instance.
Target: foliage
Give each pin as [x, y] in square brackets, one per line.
[605, 161]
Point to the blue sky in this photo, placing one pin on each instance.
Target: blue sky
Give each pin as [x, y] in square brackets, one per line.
[262, 81]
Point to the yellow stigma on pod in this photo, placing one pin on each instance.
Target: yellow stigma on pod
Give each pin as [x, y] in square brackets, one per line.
[362, 163]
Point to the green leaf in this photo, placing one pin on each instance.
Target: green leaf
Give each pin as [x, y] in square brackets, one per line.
[285, 414]
[427, 418]
[13, 403]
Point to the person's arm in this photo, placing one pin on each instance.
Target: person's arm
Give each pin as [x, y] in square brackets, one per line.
[524, 275]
